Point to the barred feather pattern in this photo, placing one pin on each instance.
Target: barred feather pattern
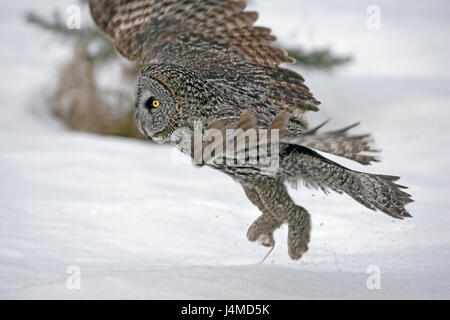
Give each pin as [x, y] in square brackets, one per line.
[206, 60]
[299, 163]
[376, 192]
[272, 199]
[216, 39]
[339, 142]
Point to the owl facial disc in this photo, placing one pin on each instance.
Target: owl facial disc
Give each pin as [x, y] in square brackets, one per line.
[155, 109]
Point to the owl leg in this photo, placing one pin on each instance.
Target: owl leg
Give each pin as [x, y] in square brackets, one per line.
[278, 207]
[299, 232]
[262, 229]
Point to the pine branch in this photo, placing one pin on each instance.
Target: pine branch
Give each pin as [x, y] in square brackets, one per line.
[102, 52]
[318, 59]
[58, 26]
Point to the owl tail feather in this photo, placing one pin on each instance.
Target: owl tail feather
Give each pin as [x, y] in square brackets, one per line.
[374, 191]
[380, 192]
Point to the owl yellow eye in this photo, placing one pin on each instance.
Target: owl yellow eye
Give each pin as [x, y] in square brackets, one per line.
[152, 103]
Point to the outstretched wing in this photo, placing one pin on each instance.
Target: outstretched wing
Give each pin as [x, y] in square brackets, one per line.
[214, 38]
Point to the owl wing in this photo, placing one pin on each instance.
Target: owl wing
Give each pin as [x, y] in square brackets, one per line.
[356, 147]
[214, 38]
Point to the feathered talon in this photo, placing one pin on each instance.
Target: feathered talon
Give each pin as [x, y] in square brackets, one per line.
[266, 240]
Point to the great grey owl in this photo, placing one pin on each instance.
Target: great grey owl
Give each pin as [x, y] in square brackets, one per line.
[205, 64]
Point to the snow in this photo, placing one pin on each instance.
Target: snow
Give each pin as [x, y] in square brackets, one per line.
[141, 223]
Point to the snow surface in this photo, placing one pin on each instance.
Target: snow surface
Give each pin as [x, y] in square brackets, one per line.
[141, 223]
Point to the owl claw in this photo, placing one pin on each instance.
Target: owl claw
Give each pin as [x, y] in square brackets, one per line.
[266, 240]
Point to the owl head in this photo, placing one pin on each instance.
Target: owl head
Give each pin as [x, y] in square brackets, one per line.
[170, 97]
[156, 106]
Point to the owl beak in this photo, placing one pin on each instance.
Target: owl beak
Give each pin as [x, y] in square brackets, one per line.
[142, 129]
[140, 126]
